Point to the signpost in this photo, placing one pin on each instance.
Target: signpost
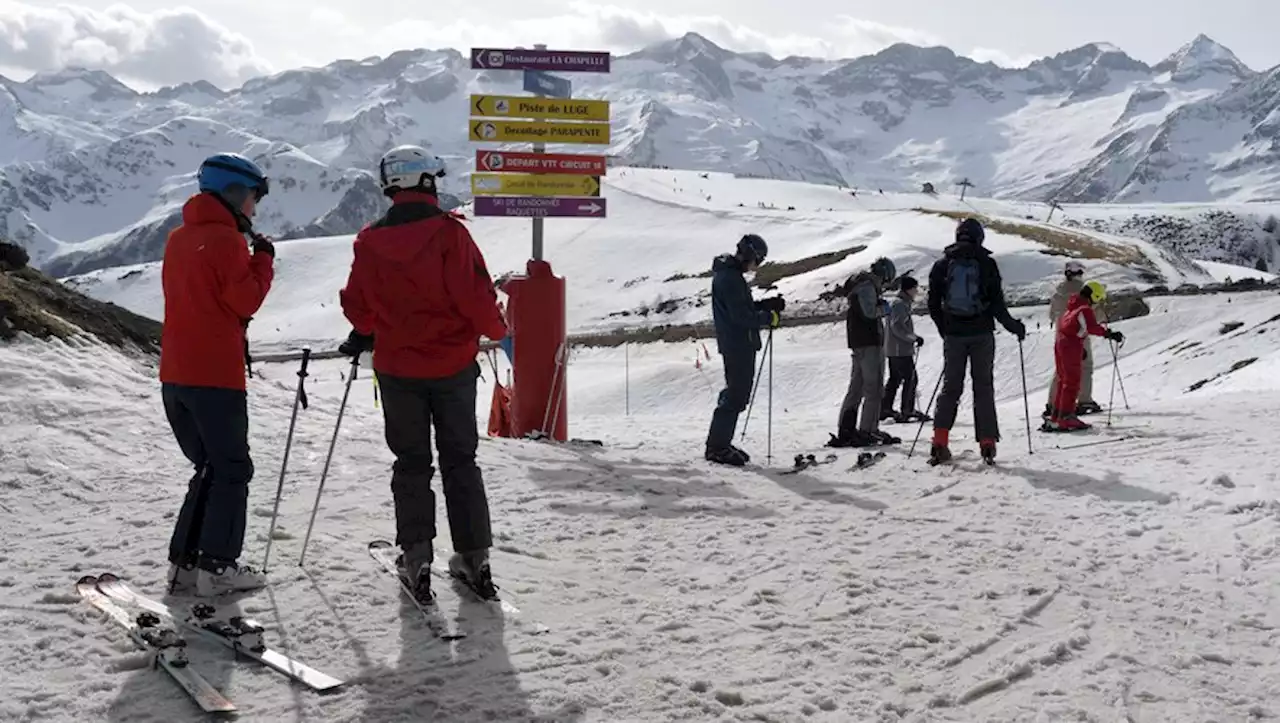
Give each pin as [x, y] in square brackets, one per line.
[540, 207]
[540, 83]
[533, 184]
[497, 131]
[511, 106]
[538, 185]
[515, 162]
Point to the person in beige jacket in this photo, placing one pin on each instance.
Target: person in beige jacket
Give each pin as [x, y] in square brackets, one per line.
[1071, 286]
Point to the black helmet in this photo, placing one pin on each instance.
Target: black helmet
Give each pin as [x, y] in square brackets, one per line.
[752, 249]
[885, 269]
[970, 230]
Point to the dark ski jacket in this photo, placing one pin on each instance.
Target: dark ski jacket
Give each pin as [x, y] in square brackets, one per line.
[862, 325]
[736, 317]
[991, 289]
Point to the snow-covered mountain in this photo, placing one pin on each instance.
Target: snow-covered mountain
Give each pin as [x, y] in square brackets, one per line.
[93, 172]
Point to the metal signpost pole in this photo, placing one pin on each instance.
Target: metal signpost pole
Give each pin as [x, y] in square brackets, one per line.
[537, 220]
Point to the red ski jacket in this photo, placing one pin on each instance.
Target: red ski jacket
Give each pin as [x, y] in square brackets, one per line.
[212, 285]
[1078, 322]
[420, 286]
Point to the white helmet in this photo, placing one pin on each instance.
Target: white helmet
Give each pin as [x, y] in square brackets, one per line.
[1074, 267]
[406, 168]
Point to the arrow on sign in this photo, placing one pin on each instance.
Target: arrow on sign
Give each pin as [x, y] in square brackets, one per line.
[589, 208]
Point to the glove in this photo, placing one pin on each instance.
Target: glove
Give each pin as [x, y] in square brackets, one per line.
[1018, 329]
[775, 321]
[263, 245]
[1115, 336]
[773, 304]
[356, 344]
[919, 341]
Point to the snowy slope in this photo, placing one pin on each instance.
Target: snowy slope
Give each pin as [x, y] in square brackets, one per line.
[1089, 124]
[644, 264]
[1133, 580]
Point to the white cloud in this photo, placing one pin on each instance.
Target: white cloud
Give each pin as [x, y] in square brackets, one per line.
[164, 47]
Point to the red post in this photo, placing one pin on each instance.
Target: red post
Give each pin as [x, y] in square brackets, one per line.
[536, 320]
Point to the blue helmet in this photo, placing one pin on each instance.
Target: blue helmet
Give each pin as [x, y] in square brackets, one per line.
[222, 171]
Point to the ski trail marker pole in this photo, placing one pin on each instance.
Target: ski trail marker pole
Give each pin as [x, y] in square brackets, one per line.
[355, 364]
[299, 398]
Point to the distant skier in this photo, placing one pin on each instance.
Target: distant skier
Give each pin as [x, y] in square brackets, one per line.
[966, 298]
[738, 321]
[212, 286]
[1067, 290]
[865, 335]
[900, 345]
[1073, 329]
[419, 296]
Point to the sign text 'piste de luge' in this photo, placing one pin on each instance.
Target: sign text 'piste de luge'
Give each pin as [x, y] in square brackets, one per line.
[514, 106]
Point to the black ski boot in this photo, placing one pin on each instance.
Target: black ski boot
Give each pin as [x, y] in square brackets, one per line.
[987, 448]
[854, 438]
[939, 453]
[728, 455]
[745, 457]
[1084, 408]
[414, 565]
[883, 437]
[472, 570]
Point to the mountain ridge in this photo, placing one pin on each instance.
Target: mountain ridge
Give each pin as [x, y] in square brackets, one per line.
[92, 172]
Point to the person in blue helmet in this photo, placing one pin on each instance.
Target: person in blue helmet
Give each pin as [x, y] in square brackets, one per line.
[738, 320]
[212, 285]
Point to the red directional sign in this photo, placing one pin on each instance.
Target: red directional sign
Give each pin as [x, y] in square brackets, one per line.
[581, 61]
[501, 161]
[539, 206]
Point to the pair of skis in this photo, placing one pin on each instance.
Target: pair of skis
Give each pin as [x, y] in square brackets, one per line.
[150, 631]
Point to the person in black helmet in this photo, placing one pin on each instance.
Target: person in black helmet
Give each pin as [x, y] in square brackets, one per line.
[966, 298]
[865, 333]
[738, 320]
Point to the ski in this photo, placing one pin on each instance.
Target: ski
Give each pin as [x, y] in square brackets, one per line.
[508, 610]
[242, 636]
[866, 459]
[805, 461]
[385, 554]
[167, 647]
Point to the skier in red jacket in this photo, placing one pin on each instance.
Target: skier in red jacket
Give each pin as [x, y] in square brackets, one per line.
[212, 286]
[419, 297]
[1075, 325]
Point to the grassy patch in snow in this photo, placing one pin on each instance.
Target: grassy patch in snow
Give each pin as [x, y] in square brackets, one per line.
[774, 271]
[36, 304]
[1057, 241]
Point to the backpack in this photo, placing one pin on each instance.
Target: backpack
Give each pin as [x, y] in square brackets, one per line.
[962, 295]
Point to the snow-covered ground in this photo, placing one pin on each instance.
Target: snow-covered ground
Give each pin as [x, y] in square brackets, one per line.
[663, 230]
[1135, 580]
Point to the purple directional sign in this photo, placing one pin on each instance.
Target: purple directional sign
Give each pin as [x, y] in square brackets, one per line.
[578, 61]
[539, 206]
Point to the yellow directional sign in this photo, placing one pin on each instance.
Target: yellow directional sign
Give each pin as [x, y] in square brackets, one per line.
[532, 184]
[539, 132]
[515, 106]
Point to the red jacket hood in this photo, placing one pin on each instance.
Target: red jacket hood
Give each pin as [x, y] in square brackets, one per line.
[403, 242]
[204, 208]
[1076, 302]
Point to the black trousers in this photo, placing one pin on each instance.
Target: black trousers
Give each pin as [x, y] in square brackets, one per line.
[412, 408]
[739, 373]
[212, 428]
[902, 371]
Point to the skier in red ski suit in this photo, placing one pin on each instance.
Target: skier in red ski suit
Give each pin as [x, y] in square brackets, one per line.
[1068, 350]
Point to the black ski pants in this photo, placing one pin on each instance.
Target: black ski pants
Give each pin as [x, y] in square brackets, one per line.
[212, 428]
[979, 354]
[739, 373]
[902, 371]
[411, 408]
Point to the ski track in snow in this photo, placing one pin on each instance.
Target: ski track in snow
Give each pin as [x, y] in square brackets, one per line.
[1130, 581]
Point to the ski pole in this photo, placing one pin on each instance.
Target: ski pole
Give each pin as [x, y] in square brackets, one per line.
[920, 429]
[355, 363]
[756, 387]
[299, 398]
[768, 445]
[1026, 405]
[1115, 362]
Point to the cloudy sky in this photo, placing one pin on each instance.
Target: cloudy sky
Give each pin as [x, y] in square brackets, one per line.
[150, 43]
